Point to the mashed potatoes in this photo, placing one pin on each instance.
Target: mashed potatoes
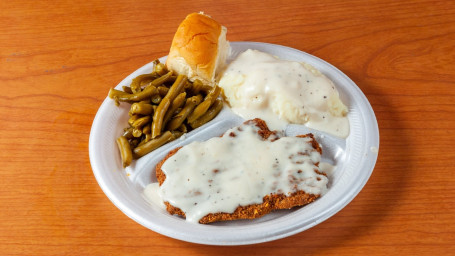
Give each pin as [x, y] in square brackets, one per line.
[257, 84]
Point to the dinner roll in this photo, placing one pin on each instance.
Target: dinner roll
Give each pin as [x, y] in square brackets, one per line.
[199, 48]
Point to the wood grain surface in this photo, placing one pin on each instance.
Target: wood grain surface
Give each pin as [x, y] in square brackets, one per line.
[59, 58]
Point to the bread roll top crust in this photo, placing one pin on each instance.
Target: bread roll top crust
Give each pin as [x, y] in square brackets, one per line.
[196, 41]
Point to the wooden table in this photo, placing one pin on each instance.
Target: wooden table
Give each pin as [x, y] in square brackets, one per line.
[58, 60]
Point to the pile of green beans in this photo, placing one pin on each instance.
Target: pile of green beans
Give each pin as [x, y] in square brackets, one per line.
[164, 106]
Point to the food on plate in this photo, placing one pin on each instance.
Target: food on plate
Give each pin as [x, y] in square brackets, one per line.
[179, 96]
[244, 174]
[209, 115]
[125, 150]
[161, 104]
[199, 48]
[257, 84]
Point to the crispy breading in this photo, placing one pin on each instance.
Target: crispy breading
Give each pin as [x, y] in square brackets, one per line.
[270, 202]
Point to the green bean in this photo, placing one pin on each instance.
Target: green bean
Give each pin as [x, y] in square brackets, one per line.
[177, 110]
[146, 130]
[125, 151]
[199, 111]
[209, 115]
[213, 94]
[146, 139]
[141, 108]
[128, 133]
[206, 88]
[156, 99]
[123, 96]
[160, 69]
[162, 91]
[179, 100]
[142, 80]
[116, 101]
[172, 79]
[162, 79]
[140, 122]
[139, 81]
[153, 144]
[146, 101]
[127, 89]
[182, 128]
[155, 81]
[146, 82]
[158, 117]
[134, 142]
[204, 106]
[176, 103]
[188, 85]
[197, 86]
[176, 88]
[177, 134]
[137, 132]
[132, 119]
[178, 119]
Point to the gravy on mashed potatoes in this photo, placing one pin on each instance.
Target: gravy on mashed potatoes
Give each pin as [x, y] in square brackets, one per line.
[257, 84]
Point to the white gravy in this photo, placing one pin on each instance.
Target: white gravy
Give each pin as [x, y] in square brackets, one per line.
[151, 193]
[239, 169]
[257, 84]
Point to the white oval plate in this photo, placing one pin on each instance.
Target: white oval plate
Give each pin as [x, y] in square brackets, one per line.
[354, 158]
